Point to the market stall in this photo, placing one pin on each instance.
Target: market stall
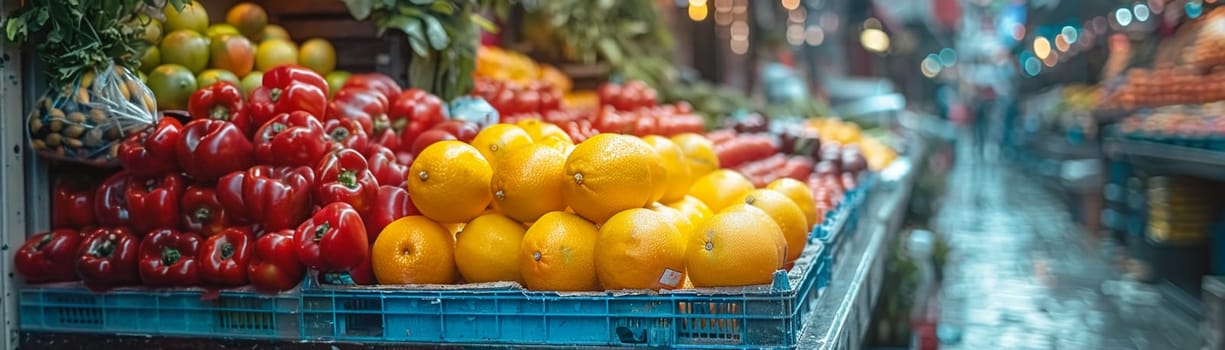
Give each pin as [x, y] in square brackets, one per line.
[1150, 129]
[395, 173]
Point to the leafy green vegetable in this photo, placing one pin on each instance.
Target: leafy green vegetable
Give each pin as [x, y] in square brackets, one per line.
[73, 37]
[441, 33]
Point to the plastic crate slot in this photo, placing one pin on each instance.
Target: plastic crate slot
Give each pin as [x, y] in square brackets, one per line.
[87, 314]
[244, 314]
[363, 317]
[650, 331]
[709, 322]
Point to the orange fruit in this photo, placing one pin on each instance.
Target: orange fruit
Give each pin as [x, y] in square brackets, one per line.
[721, 188]
[640, 249]
[193, 17]
[786, 214]
[413, 250]
[734, 248]
[693, 209]
[487, 249]
[557, 253]
[250, 19]
[275, 52]
[173, 85]
[251, 81]
[801, 195]
[186, 48]
[274, 32]
[496, 140]
[233, 53]
[609, 173]
[455, 228]
[527, 182]
[318, 55]
[212, 76]
[449, 182]
[677, 219]
[699, 153]
[541, 130]
[677, 180]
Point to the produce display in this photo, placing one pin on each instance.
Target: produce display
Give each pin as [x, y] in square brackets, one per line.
[252, 165]
[298, 182]
[1166, 86]
[185, 53]
[1200, 127]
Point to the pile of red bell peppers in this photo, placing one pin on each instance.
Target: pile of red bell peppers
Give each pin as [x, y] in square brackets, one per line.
[250, 190]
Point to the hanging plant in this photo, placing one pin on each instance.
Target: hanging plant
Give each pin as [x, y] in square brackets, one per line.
[443, 36]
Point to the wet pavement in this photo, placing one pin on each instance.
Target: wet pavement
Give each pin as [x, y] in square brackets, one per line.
[1022, 275]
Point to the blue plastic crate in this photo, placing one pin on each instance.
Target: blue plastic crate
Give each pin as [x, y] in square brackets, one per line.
[238, 314]
[769, 316]
[841, 223]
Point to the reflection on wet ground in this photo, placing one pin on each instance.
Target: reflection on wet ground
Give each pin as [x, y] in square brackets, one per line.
[1022, 275]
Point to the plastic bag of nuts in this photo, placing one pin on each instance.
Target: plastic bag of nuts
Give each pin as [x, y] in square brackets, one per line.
[85, 121]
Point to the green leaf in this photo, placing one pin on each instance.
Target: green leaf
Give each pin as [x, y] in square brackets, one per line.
[443, 7]
[411, 26]
[436, 33]
[360, 9]
[610, 50]
[421, 2]
[484, 24]
[15, 25]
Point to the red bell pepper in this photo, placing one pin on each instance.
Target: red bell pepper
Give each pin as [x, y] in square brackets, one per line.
[150, 152]
[202, 212]
[382, 163]
[368, 108]
[344, 176]
[291, 139]
[224, 258]
[211, 148]
[289, 88]
[377, 82]
[276, 198]
[393, 203]
[462, 130]
[153, 203]
[220, 101]
[346, 133]
[168, 258]
[413, 112]
[387, 138]
[274, 265]
[107, 258]
[111, 200]
[48, 256]
[72, 205]
[334, 240]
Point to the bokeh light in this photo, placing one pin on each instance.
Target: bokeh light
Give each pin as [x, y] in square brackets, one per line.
[791, 4]
[948, 57]
[1070, 34]
[874, 40]
[1042, 47]
[698, 13]
[1061, 44]
[1141, 11]
[1123, 16]
[814, 36]
[1194, 9]
[1033, 66]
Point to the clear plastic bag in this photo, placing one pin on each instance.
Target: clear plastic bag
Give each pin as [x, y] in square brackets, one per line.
[85, 121]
